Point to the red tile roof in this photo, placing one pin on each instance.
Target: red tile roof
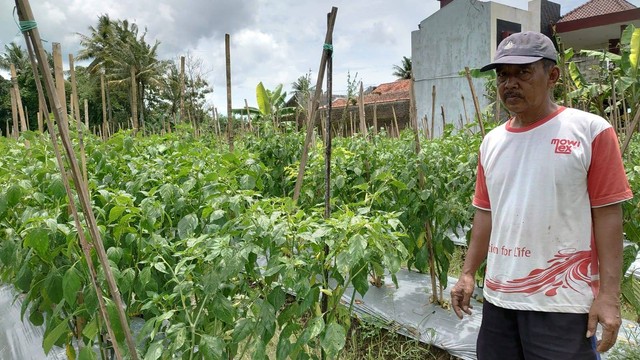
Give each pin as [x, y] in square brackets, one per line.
[596, 8]
[388, 92]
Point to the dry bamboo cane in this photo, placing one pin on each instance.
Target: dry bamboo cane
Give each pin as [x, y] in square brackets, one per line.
[40, 124]
[7, 129]
[395, 120]
[375, 118]
[14, 114]
[227, 48]
[181, 88]
[444, 121]
[104, 104]
[134, 101]
[25, 14]
[464, 107]
[311, 120]
[65, 179]
[75, 103]
[18, 99]
[476, 104]
[363, 121]
[433, 111]
[59, 78]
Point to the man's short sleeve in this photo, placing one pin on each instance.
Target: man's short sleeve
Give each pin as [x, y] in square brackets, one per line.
[606, 180]
[481, 195]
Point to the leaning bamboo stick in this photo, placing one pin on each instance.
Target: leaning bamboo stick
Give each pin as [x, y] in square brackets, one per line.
[25, 14]
[395, 121]
[476, 104]
[59, 77]
[75, 103]
[14, 114]
[227, 47]
[18, 99]
[311, 120]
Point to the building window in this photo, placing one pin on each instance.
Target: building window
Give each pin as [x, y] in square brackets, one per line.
[506, 28]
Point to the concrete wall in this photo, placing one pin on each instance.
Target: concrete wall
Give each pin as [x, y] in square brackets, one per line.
[463, 33]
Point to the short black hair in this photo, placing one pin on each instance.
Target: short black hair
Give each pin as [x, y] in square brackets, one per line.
[548, 64]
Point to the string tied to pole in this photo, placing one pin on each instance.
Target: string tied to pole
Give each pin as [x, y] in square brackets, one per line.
[328, 47]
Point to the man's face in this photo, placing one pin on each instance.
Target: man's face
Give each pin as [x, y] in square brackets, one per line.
[524, 88]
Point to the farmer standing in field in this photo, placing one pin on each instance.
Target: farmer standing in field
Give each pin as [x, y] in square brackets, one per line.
[548, 218]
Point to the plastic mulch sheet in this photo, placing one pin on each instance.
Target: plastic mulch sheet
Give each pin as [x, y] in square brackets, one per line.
[407, 310]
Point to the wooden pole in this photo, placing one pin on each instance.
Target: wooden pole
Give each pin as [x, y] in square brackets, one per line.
[227, 48]
[14, 114]
[86, 113]
[395, 120]
[59, 75]
[476, 104]
[18, 99]
[134, 100]
[363, 121]
[75, 104]
[40, 124]
[246, 106]
[104, 104]
[375, 118]
[25, 14]
[312, 114]
[433, 110]
[182, 59]
[464, 107]
[444, 119]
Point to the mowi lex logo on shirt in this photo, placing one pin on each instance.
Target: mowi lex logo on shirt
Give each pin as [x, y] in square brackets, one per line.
[564, 146]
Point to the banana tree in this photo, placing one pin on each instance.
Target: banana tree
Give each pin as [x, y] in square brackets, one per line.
[271, 106]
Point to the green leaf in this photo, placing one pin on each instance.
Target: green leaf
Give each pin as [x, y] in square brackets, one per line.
[115, 213]
[243, 328]
[54, 335]
[87, 353]
[357, 245]
[360, 277]
[263, 100]
[277, 297]
[91, 329]
[212, 347]
[71, 284]
[53, 287]
[313, 329]
[14, 195]
[247, 182]
[223, 309]
[155, 351]
[333, 340]
[36, 317]
[3, 205]
[187, 225]
[38, 239]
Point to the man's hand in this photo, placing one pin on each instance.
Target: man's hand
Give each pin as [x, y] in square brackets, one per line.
[461, 295]
[606, 311]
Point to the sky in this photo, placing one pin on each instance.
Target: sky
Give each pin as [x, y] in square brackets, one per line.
[273, 42]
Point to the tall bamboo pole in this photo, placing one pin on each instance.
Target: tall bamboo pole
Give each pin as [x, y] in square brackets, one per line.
[312, 113]
[375, 118]
[363, 121]
[86, 113]
[395, 120]
[181, 88]
[134, 100]
[75, 103]
[433, 111]
[227, 49]
[14, 114]
[18, 99]
[476, 104]
[104, 104]
[246, 106]
[25, 14]
[59, 77]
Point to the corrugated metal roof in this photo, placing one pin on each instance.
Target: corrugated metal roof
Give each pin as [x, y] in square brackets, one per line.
[596, 8]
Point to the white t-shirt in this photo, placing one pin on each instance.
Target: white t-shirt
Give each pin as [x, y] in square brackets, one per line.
[540, 183]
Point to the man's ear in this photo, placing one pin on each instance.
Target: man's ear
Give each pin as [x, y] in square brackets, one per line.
[554, 75]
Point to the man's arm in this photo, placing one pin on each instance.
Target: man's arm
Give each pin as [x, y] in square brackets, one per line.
[478, 248]
[607, 228]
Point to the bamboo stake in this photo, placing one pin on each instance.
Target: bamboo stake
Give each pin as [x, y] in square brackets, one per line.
[413, 112]
[75, 104]
[375, 118]
[444, 120]
[433, 110]
[215, 114]
[134, 100]
[7, 134]
[14, 114]
[395, 120]
[18, 99]
[25, 14]
[227, 48]
[181, 88]
[476, 104]
[86, 113]
[59, 77]
[104, 104]
[353, 128]
[40, 124]
[464, 107]
[363, 121]
[316, 96]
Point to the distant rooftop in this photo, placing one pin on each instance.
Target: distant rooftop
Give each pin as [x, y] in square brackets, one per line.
[387, 92]
[596, 8]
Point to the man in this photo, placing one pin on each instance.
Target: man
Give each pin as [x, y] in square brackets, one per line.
[548, 219]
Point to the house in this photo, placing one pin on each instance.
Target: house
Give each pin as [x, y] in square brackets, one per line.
[388, 104]
[465, 33]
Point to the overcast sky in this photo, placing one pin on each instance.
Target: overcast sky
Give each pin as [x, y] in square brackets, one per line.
[273, 41]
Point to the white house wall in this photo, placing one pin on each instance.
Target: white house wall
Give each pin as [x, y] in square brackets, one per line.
[463, 33]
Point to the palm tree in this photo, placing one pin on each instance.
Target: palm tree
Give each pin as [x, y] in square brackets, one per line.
[403, 71]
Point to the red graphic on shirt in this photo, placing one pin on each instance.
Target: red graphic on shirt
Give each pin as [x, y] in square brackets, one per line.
[567, 269]
[564, 146]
